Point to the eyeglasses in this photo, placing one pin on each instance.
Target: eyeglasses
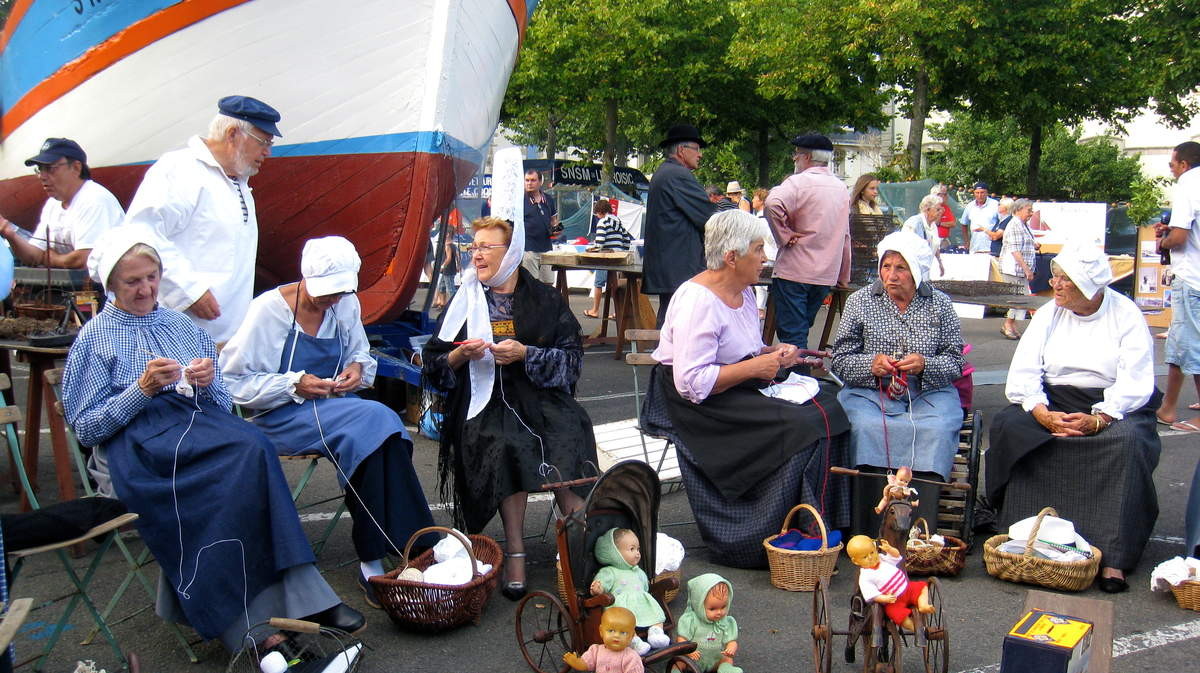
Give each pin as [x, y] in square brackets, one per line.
[1061, 280]
[47, 169]
[485, 247]
[265, 143]
[690, 146]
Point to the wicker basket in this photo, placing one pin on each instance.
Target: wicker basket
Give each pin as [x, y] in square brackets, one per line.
[434, 607]
[1027, 568]
[796, 570]
[1187, 594]
[667, 597]
[946, 561]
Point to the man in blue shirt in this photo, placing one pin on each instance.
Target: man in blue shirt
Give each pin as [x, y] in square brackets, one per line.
[979, 216]
[541, 225]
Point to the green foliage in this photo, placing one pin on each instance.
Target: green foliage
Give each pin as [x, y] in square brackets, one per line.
[997, 152]
[1167, 31]
[1147, 201]
[5, 8]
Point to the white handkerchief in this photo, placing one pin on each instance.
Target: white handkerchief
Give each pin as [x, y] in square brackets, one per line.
[796, 388]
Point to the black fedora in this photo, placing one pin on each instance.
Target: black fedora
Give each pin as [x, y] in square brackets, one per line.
[681, 133]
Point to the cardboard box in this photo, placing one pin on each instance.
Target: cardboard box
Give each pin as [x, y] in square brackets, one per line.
[1047, 642]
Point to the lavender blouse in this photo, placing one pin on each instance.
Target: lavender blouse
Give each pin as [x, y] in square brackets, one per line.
[700, 334]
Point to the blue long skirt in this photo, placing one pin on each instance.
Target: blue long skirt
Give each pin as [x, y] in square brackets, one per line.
[213, 505]
[934, 419]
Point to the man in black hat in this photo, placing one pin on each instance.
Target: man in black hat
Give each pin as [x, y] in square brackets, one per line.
[76, 214]
[676, 211]
[198, 201]
[809, 215]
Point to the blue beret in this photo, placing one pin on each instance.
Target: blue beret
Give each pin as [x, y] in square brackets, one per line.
[56, 148]
[813, 141]
[258, 113]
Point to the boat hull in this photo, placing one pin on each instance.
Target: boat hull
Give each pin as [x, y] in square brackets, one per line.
[388, 108]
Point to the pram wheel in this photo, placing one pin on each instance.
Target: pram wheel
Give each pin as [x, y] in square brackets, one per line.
[544, 632]
[822, 634]
[937, 639]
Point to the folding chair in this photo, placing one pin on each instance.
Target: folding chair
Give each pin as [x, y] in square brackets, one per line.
[637, 359]
[54, 381]
[104, 534]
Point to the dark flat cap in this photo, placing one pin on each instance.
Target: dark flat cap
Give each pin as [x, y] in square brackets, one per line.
[681, 133]
[813, 141]
[57, 148]
[249, 109]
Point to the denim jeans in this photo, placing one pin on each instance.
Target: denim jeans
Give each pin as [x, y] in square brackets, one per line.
[796, 306]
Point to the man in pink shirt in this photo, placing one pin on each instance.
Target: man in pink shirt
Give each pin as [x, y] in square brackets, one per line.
[810, 218]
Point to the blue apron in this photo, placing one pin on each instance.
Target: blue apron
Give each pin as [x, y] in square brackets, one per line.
[233, 505]
[935, 414]
[354, 428]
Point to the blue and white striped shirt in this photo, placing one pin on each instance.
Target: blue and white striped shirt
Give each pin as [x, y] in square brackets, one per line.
[611, 234]
[100, 392]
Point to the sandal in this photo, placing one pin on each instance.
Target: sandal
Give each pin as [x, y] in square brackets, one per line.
[514, 591]
[591, 314]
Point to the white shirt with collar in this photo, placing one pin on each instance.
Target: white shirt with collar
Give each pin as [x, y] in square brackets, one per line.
[982, 217]
[1185, 214]
[92, 211]
[210, 243]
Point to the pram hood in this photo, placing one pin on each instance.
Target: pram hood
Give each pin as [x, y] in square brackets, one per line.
[626, 496]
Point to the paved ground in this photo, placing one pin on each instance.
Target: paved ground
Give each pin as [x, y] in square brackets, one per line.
[1152, 633]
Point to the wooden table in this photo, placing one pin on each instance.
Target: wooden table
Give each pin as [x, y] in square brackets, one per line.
[40, 361]
[623, 293]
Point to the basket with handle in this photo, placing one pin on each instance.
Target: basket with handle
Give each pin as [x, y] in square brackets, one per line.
[945, 561]
[1030, 569]
[800, 570]
[1187, 595]
[419, 606]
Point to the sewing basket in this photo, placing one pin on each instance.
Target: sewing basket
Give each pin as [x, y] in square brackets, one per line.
[799, 570]
[430, 608]
[945, 561]
[1027, 568]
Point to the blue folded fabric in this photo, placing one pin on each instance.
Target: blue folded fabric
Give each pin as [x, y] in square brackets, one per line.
[796, 540]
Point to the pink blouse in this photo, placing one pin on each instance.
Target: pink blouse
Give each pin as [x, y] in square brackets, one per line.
[700, 334]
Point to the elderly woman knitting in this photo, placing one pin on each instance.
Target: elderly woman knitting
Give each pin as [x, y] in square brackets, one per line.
[1082, 389]
[747, 457]
[899, 349]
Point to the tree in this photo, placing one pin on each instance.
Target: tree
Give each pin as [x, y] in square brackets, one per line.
[589, 67]
[1166, 31]
[1053, 61]
[863, 51]
[996, 153]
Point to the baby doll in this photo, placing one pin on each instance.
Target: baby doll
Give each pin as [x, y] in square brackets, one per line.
[707, 623]
[897, 489]
[614, 655]
[881, 580]
[619, 551]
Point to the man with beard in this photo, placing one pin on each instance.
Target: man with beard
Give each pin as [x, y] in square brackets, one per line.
[76, 214]
[198, 201]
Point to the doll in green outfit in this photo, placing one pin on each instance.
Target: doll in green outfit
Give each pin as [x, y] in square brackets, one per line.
[707, 623]
[620, 551]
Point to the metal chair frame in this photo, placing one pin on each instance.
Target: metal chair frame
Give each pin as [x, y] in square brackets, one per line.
[54, 381]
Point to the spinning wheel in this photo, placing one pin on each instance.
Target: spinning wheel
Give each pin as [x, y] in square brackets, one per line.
[544, 632]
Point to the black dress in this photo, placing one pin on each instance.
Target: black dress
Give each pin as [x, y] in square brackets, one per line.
[532, 431]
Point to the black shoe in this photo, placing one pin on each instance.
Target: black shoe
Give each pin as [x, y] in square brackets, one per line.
[1112, 585]
[514, 591]
[341, 617]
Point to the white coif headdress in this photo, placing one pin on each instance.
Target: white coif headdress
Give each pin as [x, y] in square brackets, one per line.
[1087, 266]
[913, 249]
[469, 305]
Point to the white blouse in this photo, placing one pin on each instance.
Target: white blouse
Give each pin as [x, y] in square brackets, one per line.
[250, 361]
[1110, 349]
